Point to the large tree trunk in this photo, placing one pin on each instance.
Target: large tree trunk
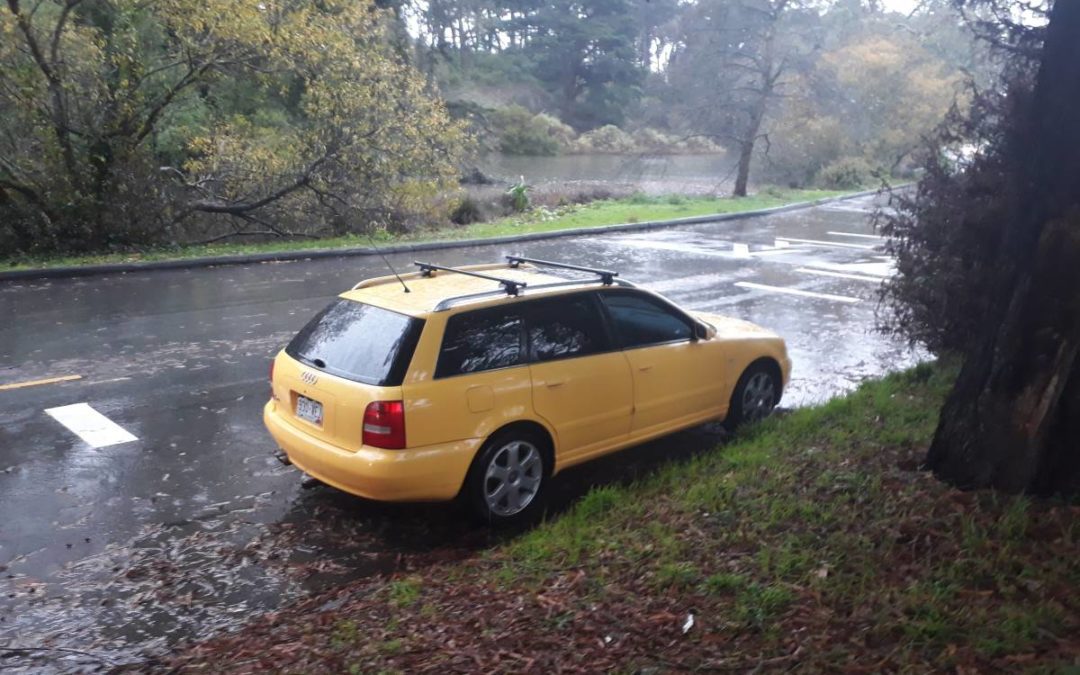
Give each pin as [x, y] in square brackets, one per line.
[742, 175]
[746, 147]
[1012, 420]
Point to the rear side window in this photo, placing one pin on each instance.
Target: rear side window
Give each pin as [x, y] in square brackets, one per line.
[480, 340]
[564, 327]
[640, 320]
[359, 342]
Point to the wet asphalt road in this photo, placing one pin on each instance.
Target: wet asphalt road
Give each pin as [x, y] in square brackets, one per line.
[194, 527]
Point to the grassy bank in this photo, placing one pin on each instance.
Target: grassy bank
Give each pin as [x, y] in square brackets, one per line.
[811, 541]
[605, 212]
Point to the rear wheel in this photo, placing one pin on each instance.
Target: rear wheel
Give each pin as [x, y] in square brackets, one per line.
[508, 477]
[755, 396]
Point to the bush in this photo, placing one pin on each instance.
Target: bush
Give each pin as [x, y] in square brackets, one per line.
[466, 212]
[947, 237]
[651, 140]
[847, 173]
[608, 138]
[518, 196]
[522, 133]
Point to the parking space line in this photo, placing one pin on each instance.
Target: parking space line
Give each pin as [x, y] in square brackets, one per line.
[88, 424]
[839, 275]
[855, 234]
[796, 291]
[818, 242]
[38, 383]
[881, 270]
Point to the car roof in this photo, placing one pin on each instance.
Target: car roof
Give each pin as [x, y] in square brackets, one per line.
[432, 293]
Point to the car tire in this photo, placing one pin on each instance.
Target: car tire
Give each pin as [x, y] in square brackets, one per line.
[507, 479]
[755, 395]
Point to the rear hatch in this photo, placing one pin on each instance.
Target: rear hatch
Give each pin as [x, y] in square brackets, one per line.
[349, 355]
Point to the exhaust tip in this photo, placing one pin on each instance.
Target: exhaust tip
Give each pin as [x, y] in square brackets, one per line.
[283, 458]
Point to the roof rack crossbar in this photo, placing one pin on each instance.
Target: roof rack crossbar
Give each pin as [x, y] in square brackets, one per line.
[512, 286]
[607, 276]
[459, 299]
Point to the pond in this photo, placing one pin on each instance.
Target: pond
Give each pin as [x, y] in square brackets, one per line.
[653, 174]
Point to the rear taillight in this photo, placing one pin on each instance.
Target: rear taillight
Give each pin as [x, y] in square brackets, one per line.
[384, 425]
[272, 394]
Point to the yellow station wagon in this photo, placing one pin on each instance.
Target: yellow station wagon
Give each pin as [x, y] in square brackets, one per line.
[485, 381]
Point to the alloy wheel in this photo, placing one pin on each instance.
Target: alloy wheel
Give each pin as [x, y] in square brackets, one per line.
[512, 479]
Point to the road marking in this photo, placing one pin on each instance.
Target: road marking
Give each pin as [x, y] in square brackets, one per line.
[883, 269]
[776, 251]
[795, 291]
[90, 425]
[839, 275]
[855, 234]
[37, 383]
[112, 379]
[818, 242]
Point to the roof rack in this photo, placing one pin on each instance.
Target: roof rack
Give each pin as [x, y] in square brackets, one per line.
[606, 276]
[512, 286]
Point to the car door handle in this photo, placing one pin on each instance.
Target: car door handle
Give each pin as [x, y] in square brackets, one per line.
[645, 369]
[551, 384]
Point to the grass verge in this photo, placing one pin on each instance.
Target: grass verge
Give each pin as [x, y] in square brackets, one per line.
[605, 212]
[810, 541]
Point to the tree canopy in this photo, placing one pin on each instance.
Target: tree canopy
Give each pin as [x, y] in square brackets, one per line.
[125, 121]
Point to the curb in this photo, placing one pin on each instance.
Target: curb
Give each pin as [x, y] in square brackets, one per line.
[311, 254]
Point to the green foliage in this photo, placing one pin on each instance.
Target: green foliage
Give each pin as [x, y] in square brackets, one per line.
[165, 121]
[466, 212]
[606, 139]
[404, 591]
[874, 95]
[848, 173]
[518, 196]
[591, 214]
[522, 133]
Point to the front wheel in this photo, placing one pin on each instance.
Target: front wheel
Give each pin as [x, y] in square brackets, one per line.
[507, 479]
[755, 396]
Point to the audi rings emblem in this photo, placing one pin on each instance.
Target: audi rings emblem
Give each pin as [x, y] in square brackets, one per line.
[309, 377]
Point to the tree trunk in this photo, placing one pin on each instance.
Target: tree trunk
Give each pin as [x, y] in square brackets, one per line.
[746, 146]
[742, 176]
[1012, 420]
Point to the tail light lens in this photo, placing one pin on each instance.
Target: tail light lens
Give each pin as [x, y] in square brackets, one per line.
[384, 425]
[272, 394]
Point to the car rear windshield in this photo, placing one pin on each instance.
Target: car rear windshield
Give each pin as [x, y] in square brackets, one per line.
[359, 342]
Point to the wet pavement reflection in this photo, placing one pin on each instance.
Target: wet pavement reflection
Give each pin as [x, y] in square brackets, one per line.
[194, 527]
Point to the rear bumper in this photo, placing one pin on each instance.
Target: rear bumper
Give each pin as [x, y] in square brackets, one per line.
[432, 473]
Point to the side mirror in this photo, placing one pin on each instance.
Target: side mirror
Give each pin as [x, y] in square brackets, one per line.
[703, 331]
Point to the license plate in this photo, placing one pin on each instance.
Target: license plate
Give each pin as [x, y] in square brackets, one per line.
[308, 409]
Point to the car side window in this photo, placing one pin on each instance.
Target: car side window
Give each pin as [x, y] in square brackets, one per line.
[480, 340]
[563, 327]
[640, 320]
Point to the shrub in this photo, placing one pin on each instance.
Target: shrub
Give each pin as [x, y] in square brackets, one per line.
[651, 140]
[701, 144]
[522, 133]
[466, 212]
[609, 138]
[554, 128]
[518, 196]
[847, 173]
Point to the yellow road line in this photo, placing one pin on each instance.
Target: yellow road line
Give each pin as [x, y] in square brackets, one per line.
[36, 383]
